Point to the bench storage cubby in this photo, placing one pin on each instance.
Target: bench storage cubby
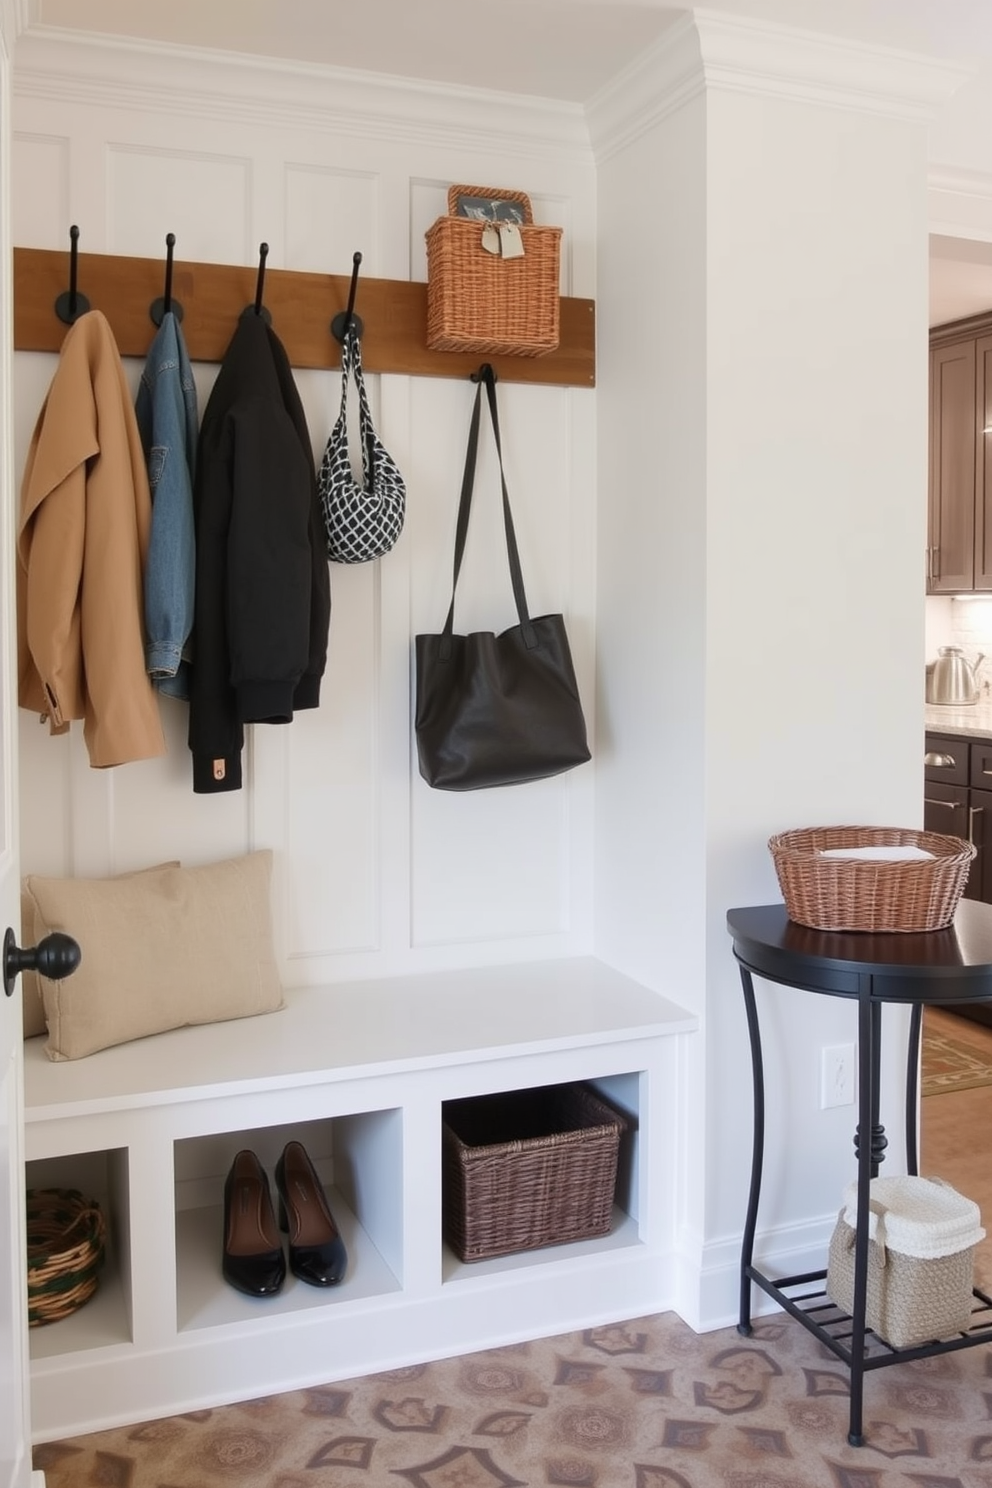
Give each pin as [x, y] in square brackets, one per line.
[358, 1072]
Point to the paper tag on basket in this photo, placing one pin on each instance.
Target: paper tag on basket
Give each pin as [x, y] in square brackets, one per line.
[510, 240]
[490, 239]
[895, 854]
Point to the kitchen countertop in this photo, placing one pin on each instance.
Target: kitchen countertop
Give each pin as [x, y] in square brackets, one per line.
[973, 720]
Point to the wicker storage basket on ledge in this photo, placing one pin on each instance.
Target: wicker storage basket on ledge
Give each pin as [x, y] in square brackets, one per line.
[66, 1235]
[526, 1168]
[481, 301]
[870, 894]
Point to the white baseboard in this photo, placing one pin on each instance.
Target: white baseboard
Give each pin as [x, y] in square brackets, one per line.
[707, 1277]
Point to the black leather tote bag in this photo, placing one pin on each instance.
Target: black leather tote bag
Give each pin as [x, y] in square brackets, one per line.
[496, 709]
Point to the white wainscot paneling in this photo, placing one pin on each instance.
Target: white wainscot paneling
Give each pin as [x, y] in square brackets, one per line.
[494, 865]
[40, 190]
[330, 214]
[490, 865]
[204, 199]
[43, 797]
[154, 815]
[316, 788]
[556, 211]
[46, 828]
[428, 202]
[546, 497]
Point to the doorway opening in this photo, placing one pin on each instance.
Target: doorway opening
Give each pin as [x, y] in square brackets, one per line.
[955, 1123]
[956, 1113]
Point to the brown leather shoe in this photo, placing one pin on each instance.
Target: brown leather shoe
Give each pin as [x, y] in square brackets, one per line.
[253, 1257]
[317, 1253]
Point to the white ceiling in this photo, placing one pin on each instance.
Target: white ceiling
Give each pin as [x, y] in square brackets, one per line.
[565, 50]
[561, 49]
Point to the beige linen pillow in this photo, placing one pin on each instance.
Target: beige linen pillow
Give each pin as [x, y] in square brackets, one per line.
[33, 930]
[161, 949]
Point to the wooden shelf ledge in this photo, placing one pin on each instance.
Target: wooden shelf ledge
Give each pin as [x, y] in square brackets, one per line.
[302, 307]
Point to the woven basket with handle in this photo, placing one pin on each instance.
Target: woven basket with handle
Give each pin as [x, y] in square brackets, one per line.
[481, 301]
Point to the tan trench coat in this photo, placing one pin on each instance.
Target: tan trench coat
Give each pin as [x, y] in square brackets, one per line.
[82, 539]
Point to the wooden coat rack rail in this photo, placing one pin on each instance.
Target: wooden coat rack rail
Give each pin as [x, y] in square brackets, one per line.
[302, 305]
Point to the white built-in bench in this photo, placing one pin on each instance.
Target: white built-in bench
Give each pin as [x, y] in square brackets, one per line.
[358, 1072]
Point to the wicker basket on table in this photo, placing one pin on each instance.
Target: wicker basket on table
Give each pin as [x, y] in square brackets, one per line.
[66, 1237]
[874, 894]
[481, 301]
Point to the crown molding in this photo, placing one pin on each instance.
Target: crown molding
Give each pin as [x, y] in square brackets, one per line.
[956, 330]
[960, 182]
[960, 203]
[116, 73]
[708, 50]
[779, 61]
[664, 78]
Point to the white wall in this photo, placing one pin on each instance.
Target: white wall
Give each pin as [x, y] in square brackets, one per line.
[375, 873]
[768, 404]
[652, 642]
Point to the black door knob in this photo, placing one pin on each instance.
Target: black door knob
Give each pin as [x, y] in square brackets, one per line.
[55, 957]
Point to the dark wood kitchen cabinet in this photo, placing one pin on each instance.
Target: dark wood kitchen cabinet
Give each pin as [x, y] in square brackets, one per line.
[959, 540]
[957, 798]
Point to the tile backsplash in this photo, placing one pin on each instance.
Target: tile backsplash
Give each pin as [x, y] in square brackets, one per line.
[966, 623]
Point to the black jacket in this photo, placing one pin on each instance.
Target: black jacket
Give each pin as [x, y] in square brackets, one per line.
[263, 599]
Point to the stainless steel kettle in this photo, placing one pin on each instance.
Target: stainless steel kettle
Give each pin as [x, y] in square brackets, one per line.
[952, 679]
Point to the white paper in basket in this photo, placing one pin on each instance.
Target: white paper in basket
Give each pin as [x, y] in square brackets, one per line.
[895, 854]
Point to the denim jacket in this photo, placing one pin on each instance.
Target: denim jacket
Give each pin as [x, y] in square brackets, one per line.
[167, 419]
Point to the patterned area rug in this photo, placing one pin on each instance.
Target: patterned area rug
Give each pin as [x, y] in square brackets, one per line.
[643, 1404]
[949, 1064]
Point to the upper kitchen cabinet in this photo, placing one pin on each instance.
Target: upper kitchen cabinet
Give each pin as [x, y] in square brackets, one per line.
[959, 551]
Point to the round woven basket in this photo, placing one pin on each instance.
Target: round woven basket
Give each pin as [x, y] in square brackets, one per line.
[870, 894]
[66, 1235]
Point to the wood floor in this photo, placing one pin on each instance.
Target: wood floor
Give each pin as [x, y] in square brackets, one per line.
[956, 1134]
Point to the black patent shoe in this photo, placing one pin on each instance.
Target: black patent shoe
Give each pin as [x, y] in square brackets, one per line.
[316, 1251]
[253, 1257]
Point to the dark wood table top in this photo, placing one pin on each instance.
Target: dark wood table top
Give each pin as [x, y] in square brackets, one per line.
[931, 966]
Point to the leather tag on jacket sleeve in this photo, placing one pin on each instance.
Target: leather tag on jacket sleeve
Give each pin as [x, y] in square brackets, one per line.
[220, 769]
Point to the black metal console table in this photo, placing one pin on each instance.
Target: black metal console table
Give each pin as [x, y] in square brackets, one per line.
[937, 966]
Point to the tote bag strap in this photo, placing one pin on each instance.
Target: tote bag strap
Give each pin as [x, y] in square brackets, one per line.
[487, 377]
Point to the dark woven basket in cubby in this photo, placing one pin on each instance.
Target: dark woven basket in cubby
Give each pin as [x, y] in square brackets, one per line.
[528, 1168]
[66, 1236]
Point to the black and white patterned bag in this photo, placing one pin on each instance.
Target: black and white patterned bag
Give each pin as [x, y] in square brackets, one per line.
[361, 521]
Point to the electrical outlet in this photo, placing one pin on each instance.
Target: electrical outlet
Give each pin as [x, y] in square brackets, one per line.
[837, 1075]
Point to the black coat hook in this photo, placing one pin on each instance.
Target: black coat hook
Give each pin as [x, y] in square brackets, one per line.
[70, 305]
[161, 307]
[348, 319]
[263, 253]
[485, 369]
